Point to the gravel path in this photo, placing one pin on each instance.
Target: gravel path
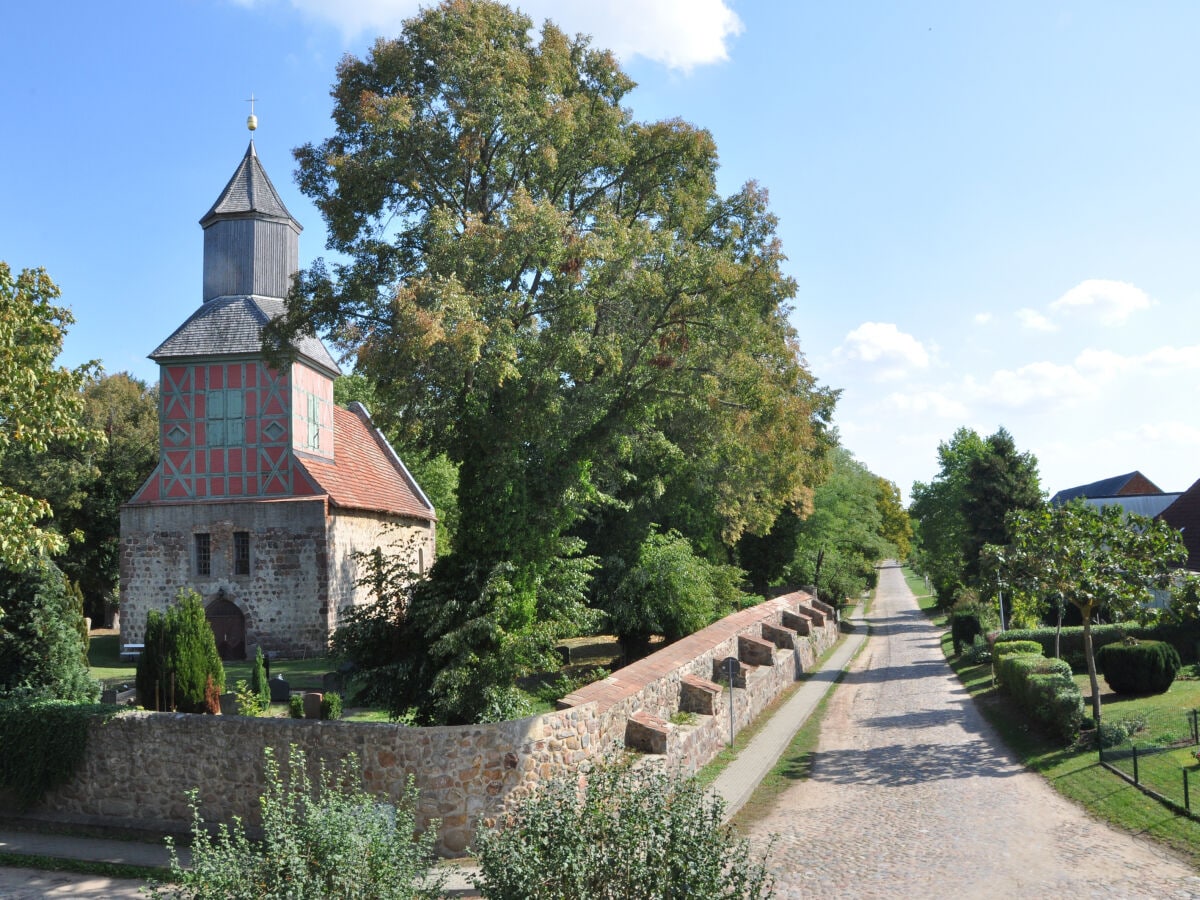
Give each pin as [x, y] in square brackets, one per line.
[913, 795]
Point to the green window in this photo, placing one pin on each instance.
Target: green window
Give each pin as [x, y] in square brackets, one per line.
[226, 418]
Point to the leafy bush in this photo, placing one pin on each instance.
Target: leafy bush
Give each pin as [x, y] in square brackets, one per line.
[44, 742]
[625, 833]
[1140, 667]
[558, 687]
[331, 705]
[671, 590]
[249, 702]
[1111, 734]
[965, 626]
[179, 659]
[322, 838]
[978, 653]
[296, 706]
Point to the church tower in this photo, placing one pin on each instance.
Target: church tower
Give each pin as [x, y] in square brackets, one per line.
[264, 489]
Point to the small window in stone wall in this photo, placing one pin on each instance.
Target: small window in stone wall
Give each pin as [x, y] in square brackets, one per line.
[203, 553]
[241, 553]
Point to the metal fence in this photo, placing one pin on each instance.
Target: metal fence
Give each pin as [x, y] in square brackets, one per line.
[1157, 753]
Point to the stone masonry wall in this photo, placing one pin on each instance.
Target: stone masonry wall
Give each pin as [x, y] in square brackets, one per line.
[282, 597]
[139, 766]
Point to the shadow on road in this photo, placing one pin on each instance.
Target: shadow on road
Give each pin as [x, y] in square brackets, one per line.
[900, 765]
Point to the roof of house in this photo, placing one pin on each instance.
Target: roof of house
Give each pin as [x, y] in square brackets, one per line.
[1129, 484]
[1184, 516]
[233, 325]
[249, 192]
[366, 473]
[1149, 505]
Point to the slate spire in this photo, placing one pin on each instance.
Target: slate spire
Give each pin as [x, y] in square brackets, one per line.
[251, 241]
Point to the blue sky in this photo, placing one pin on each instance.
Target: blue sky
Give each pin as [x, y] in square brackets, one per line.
[990, 209]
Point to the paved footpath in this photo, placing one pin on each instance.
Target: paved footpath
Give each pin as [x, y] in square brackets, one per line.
[913, 795]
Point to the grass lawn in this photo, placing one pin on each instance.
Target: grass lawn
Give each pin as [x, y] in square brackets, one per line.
[106, 665]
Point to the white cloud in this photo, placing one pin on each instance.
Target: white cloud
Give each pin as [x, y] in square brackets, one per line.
[1161, 361]
[983, 318]
[1035, 321]
[1113, 302]
[1041, 384]
[884, 346]
[680, 34]
[926, 402]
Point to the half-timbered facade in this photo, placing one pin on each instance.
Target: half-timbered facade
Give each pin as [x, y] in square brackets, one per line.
[265, 491]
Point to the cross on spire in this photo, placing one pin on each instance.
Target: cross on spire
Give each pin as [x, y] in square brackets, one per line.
[252, 119]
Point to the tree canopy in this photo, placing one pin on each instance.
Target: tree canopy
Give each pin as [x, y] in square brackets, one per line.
[40, 404]
[554, 296]
[1099, 560]
[979, 481]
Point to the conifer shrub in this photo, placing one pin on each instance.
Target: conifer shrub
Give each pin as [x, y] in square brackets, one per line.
[1139, 667]
[179, 659]
[259, 685]
[296, 706]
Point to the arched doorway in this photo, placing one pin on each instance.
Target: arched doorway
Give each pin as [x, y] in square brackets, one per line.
[229, 627]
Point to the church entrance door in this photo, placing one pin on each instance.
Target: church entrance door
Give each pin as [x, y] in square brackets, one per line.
[229, 628]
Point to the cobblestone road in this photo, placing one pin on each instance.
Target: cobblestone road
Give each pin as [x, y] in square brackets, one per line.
[912, 795]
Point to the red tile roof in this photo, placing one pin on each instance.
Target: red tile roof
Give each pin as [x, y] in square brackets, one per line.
[365, 473]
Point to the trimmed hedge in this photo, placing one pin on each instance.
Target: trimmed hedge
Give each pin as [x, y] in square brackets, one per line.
[1185, 638]
[1143, 667]
[1010, 647]
[1042, 687]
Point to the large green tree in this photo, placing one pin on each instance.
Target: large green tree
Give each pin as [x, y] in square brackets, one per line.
[979, 481]
[40, 404]
[999, 480]
[541, 287]
[1099, 560]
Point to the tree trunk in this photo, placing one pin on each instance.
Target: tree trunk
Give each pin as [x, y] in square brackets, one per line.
[1091, 663]
[1058, 633]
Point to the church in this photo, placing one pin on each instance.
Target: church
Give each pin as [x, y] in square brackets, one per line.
[265, 492]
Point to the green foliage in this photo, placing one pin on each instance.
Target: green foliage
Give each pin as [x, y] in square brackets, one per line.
[626, 833]
[557, 299]
[1008, 646]
[558, 687]
[44, 743]
[1111, 734]
[259, 684]
[179, 658]
[1043, 688]
[670, 591]
[331, 705]
[42, 655]
[39, 404]
[1101, 561]
[324, 838]
[1139, 667]
[999, 482]
[296, 706]
[249, 701]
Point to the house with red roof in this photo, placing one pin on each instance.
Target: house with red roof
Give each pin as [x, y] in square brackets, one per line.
[266, 493]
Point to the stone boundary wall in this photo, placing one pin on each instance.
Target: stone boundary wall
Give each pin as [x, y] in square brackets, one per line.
[140, 766]
[652, 688]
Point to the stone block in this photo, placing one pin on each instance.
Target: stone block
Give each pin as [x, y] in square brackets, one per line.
[312, 705]
[822, 607]
[817, 617]
[783, 638]
[229, 705]
[646, 732]
[698, 695]
[281, 691]
[797, 623]
[755, 651]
